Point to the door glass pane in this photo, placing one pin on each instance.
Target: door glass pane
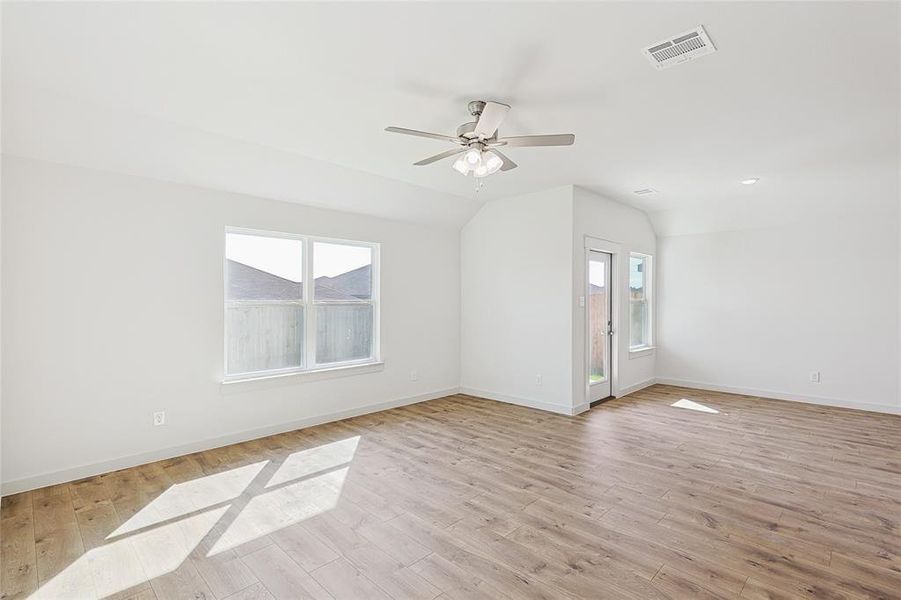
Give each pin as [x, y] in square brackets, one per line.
[598, 316]
[263, 303]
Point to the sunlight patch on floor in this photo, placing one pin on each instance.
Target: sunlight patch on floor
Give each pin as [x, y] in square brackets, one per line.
[692, 405]
[191, 496]
[307, 462]
[279, 508]
[131, 560]
[216, 512]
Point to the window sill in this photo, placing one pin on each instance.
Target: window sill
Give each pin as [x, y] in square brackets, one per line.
[639, 352]
[310, 374]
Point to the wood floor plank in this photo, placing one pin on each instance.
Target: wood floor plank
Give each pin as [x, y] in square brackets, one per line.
[393, 577]
[283, 577]
[18, 560]
[343, 580]
[256, 591]
[456, 582]
[306, 549]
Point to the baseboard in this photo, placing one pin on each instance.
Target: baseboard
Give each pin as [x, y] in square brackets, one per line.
[527, 402]
[836, 402]
[75, 473]
[580, 408]
[635, 387]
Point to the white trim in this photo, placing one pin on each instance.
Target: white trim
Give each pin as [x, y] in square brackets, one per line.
[893, 409]
[560, 409]
[309, 302]
[638, 386]
[324, 372]
[649, 297]
[80, 472]
[642, 351]
[580, 408]
[615, 250]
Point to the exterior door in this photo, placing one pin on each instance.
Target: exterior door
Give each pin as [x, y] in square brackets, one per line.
[600, 329]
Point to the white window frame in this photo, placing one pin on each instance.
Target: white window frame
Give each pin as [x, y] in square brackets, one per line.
[635, 351]
[309, 303]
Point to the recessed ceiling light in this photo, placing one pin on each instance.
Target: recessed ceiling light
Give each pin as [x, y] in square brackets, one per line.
[751, 181]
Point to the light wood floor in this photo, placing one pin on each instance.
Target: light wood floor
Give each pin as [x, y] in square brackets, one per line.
[467, 498]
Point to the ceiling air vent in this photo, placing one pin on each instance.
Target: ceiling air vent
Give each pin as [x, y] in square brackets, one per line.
[679, 49]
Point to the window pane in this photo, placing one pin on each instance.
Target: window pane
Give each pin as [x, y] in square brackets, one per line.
[343, 332]
[639, 306]
[638, 330]
[636, 278]
[263, 336]
[342, 272]
[264, 289]
[263, 268]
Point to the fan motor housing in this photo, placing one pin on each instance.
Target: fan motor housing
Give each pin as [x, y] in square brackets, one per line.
[476, 107]
[466, 130]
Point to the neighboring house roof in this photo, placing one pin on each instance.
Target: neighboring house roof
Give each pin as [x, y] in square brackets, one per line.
[357, 284]
[246, 283]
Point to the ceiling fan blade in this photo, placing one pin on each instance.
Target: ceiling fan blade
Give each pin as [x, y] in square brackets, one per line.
[559, 139]
[425, 134]
[508, 164]
[437, 157]
[491, 118]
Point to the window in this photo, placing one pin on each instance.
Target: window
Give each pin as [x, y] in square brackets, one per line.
[296, 303]
[640, 311]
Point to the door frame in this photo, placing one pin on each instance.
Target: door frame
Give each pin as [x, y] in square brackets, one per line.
[615, 251]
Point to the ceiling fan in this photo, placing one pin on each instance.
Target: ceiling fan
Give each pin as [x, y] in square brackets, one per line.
[479, 141]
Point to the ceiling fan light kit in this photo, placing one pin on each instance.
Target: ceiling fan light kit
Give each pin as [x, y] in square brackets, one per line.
[478, 141]
[479, 162]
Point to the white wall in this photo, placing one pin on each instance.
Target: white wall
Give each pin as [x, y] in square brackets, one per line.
[523, 272]
[631, 231]
[758, 310]
[112, 309]
[516, 299]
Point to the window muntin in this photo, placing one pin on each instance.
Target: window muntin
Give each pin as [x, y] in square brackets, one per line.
[296, 303]
[640, 311]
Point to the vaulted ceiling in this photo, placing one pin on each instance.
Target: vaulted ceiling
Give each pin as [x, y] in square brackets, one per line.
[269, 98]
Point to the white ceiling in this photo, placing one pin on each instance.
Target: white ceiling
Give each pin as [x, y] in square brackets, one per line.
[803, 95]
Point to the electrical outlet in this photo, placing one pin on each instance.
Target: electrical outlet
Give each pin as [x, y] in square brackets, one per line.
[159, 418]
[814, 377]
[414, 376]
[582, 301]
[538, 379]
